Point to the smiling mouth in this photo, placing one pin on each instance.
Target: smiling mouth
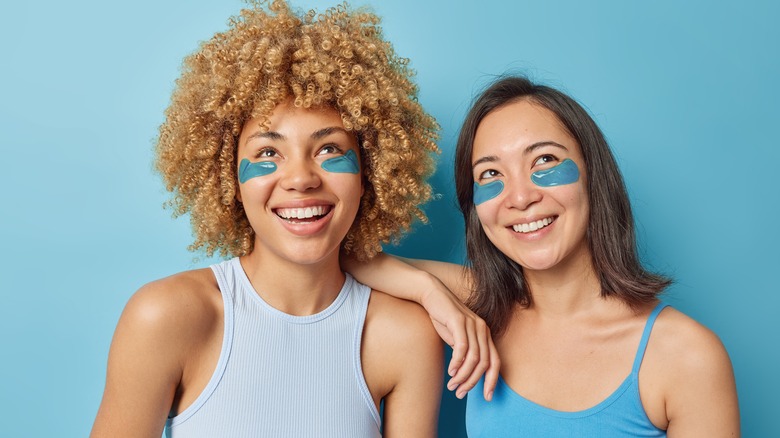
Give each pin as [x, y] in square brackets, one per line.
[303, 215]
[533, 226]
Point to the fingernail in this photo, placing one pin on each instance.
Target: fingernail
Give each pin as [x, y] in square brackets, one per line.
[460, 395]
[452, 386]
[451, 371]
[490, 396]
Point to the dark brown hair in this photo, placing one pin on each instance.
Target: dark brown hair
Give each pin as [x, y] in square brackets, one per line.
[498, 281]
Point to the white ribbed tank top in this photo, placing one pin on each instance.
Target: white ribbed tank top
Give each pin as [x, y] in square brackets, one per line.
[280, 375]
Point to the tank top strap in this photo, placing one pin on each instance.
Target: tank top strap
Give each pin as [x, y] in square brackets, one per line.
[640, 353]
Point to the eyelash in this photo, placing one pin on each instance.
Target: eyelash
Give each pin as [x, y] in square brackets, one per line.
[482, 174]
[550, 156]
[336, 149]
[261, 153]
[490, 173]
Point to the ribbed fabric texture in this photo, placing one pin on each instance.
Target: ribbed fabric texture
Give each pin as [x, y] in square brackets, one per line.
[512, 415]
[280, 375]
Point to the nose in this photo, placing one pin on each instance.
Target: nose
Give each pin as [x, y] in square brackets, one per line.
[521, 195]
[300, 175]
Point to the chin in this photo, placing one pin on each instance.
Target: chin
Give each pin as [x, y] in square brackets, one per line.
[534, 266]
[542, 262]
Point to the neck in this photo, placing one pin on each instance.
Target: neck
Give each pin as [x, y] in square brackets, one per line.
[569, 288]
[293, 288]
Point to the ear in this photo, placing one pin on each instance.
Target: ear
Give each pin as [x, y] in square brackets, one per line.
[238, 193]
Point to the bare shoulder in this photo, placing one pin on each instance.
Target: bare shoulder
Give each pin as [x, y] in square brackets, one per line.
[400, 322]
[173, 316]
[182, 305]
[395, 331]
[163, 327]
[686, 344]
[403, 365]
[687, 376]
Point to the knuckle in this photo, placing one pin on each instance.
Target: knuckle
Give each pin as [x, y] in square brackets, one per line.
[460, 345]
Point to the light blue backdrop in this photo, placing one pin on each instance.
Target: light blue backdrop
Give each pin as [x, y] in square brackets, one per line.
[686, 92]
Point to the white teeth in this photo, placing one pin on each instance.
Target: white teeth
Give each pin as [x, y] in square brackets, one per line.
[301, 213]
[532, 226]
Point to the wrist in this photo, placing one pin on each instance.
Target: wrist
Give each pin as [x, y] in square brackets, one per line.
[430, 286]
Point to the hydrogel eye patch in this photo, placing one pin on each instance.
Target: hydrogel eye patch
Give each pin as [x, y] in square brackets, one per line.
[248, 170]
[347, 163]
[487, 191]
[564, 173]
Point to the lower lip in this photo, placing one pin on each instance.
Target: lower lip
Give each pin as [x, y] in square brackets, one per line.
[307, 228]
[533, 235]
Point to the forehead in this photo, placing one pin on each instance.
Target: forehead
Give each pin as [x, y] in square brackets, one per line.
[517, 125]
[287, 119]
[322, 114]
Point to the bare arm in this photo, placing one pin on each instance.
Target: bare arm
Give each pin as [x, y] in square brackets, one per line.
[703, 401]
[687, 382]
[159, 329]
[428, 283]
[410, 279]
[396, 331]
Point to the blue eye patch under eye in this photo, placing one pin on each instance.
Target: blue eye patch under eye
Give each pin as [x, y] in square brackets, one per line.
[564, 173]
[248, 170]
[487, 191]
[347, 163]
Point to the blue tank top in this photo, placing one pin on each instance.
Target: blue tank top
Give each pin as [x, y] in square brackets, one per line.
[280, 375]
[510, 414]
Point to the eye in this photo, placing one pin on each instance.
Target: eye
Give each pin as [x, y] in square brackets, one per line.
[487, 174]
[266, 153]
[328, 149]
[544, 159]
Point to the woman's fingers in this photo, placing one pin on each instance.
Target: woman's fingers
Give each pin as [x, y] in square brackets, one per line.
[473, 350]
[480, 360]
[460, 344]
[491, 376]
[470, 360]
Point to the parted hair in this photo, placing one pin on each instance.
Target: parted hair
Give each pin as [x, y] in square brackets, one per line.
[270, 54]
[499, 283]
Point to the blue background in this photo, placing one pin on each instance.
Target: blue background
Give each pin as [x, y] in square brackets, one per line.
[686, 92]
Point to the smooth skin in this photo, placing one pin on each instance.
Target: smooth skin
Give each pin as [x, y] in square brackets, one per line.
[168, 340]
[572, 348]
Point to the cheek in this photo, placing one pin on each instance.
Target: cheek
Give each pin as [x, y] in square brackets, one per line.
[348, 186]
[255, 190]
[486, 212]
[578, 205]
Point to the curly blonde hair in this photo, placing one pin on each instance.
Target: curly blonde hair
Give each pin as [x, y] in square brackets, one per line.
[271, 54]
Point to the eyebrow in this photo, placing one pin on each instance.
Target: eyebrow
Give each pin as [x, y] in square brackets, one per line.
[528, 150]
[316, 135]
[542, 144]
[324, 132]
[270, 135]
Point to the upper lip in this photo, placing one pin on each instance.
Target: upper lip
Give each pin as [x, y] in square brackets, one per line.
[302, 203]
[530, 219]
[302, 209]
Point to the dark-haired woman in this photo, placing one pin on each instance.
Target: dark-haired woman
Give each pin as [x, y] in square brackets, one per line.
[586, 347]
